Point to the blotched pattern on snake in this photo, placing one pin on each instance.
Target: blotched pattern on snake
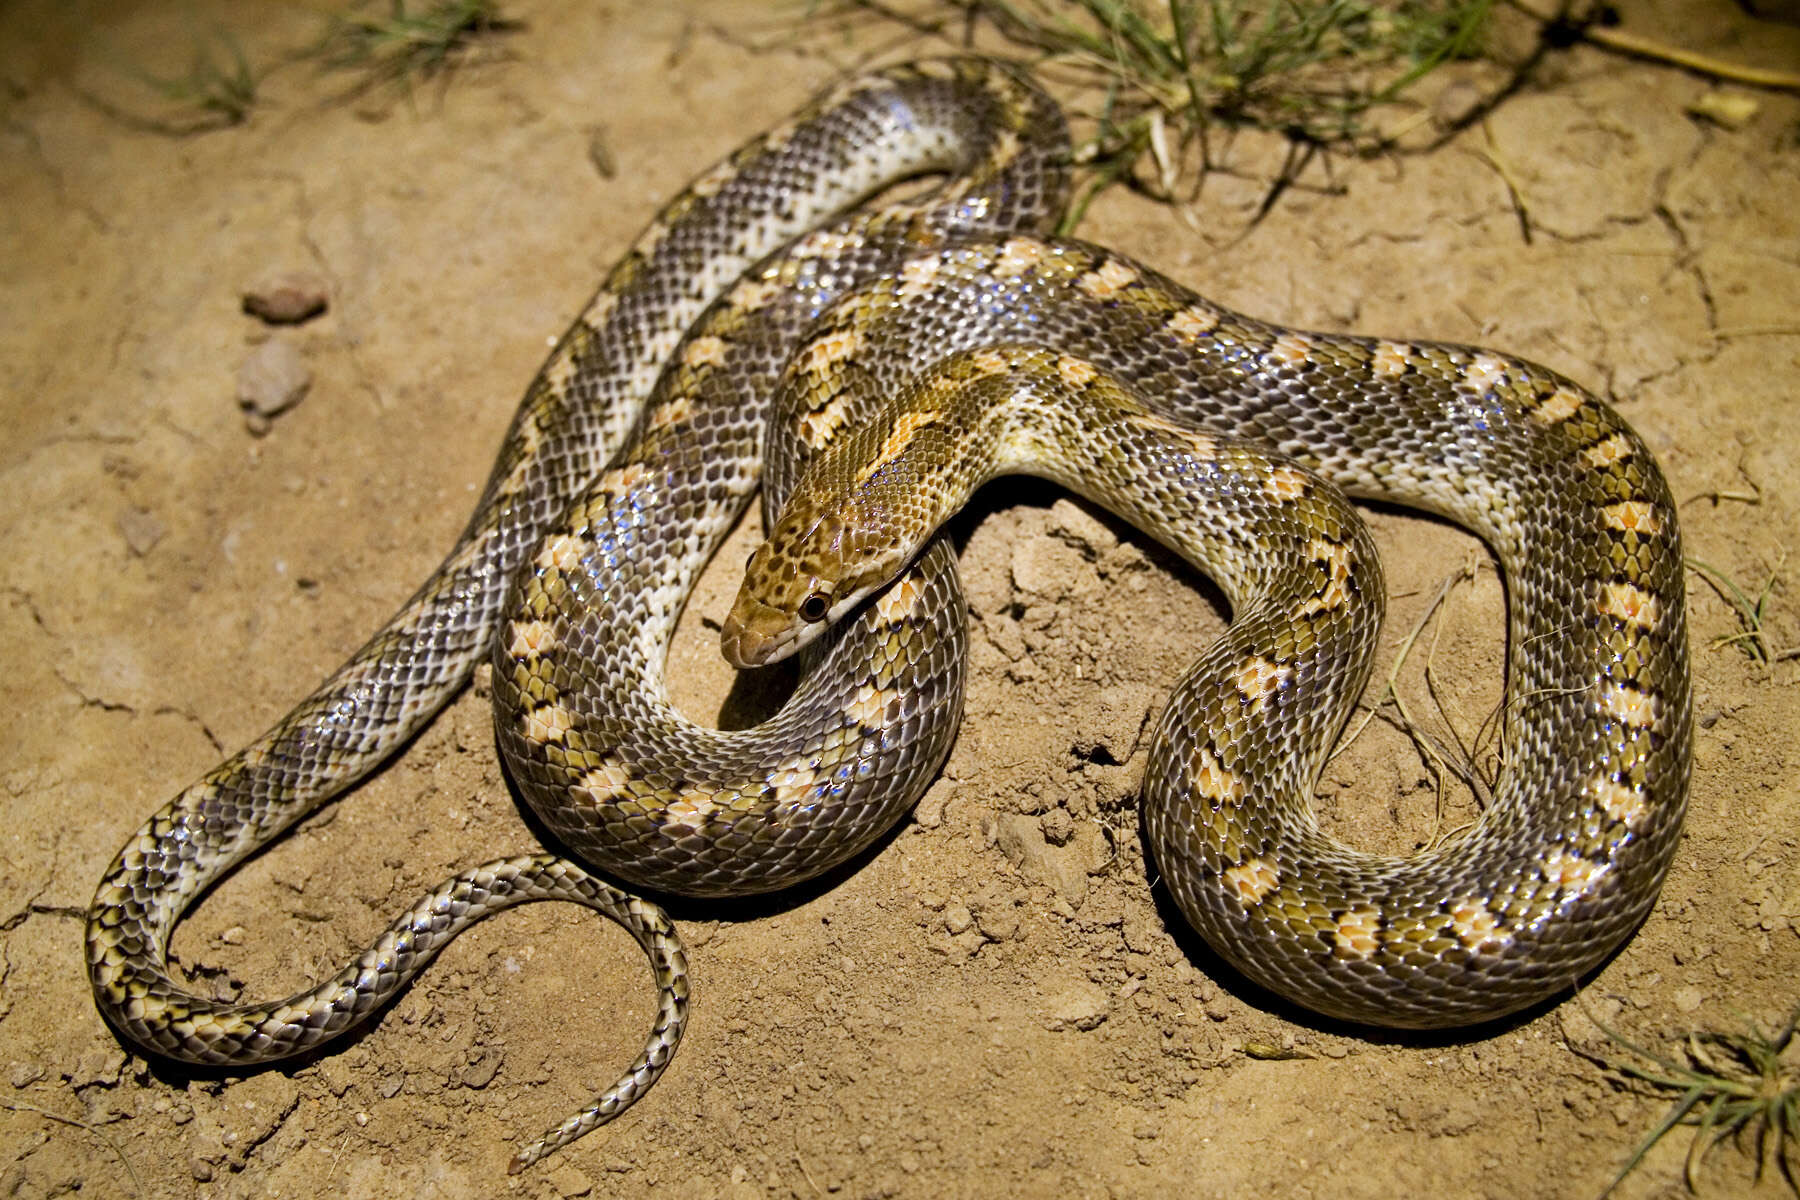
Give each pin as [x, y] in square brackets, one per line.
[605, 542]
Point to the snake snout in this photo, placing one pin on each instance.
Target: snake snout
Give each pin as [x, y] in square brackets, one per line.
[755, 633]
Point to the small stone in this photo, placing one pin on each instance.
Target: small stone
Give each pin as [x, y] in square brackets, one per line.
[1062, 867]
[481, 1072]
[1082, 1007]
[1045, 566]
[287, 297]
[1073, 524]
[1004, 633]
[141, 529]
[270, 381]
[570, 1181]
[958, 918]
[103, 1064]
[1058, 826]
[929, 812]
[1689, 999]
[1732, 110]
[998, 923]
[1124, 711]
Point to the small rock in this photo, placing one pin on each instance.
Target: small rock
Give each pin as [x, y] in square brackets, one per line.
[1058, 826]
[1073, 524]
[141, 530]
[957, 918]
[1689, 999]
[287, 297]
[570, 1181]
[1124, 709]
[1141, 936]
[103, 1065]
[1063, 867]
[998, 922]
[1731, 110]
[1082, 1007]
[929, 813]
[1004, 633]
[269, 382]
[1045, 566]
[481, 1072]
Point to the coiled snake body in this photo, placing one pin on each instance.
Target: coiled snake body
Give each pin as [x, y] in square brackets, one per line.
[579, 558]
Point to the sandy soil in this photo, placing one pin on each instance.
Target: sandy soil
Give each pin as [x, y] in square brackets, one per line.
[973, 1009]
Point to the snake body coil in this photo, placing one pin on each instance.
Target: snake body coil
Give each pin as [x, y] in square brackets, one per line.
[643, 437]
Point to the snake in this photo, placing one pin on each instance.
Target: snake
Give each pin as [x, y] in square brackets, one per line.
[1569, 854]
[762, 315]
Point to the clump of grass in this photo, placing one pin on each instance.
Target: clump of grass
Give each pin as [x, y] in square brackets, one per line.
[401, 43]
[1164, 75]
[1744, 1087]
[1473, 759]
[217, 91]
[1752, 613]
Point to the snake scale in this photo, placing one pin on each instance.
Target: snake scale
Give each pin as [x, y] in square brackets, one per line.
[762, 307]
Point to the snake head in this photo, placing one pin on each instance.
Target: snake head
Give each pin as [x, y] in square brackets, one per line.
[816, 566]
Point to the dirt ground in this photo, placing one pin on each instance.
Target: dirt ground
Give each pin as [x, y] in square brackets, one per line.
[995, 1002]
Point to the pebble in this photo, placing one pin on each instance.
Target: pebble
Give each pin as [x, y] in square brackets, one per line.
[1073, 524]
[929, 812]
[481, 1072]
[287, 297]
[1124, 710]
[1081, 1007]
[569, 1180]
[1046, 566]
[270, 381]
[999, 923]
[141, 529]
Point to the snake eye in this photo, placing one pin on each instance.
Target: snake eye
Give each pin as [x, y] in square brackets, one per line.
[815, 607]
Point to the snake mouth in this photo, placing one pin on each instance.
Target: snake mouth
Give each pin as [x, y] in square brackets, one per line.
[755, 633]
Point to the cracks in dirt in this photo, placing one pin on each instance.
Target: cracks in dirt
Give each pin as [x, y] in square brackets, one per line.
[58, 185]
[87, 699]
[30, 606]
[75, 438]
[34, 909]
[1687, 259]
[345, 336]
[90, 701]
[194, 719]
